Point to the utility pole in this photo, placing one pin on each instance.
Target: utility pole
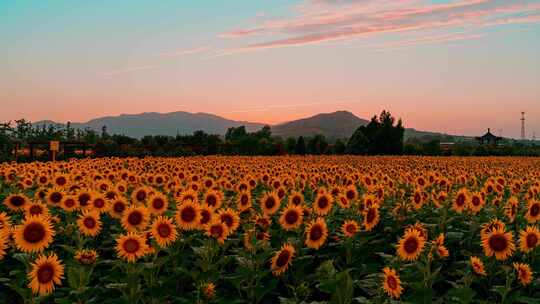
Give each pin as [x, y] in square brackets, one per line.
[522, 125]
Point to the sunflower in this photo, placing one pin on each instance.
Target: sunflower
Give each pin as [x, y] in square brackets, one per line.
[511, 208]
[252, 236]
[296, 198]
[529, 239]
[350, 228]
[476, 202]
[35, 234]
[410, 246]
[230, 218]
[371, 217]
[291, 217]
[60, 180]
[323, 204]
[209, 290]
[316, 233]
[118, 206]
[131, 246]
[5, 222]
[188, 195]
[69, 203]
[47, 271]
[16, 202]
[478, 266]
[188, 215]
[217, 229]
[392, 283]
[270, 203]
[461, 200]
[499, 243]
[99, 203]
[164, 231]
[4, 240]
[205, 215]
[212, 199]
[84, 197]
[36, 209]
[158, 203]
[89, 223]
[282, 259]
[533, 211]
[86, 256]
[55, 196]
[140, 195]
[135, 218]
[243, 201]
[524, 273]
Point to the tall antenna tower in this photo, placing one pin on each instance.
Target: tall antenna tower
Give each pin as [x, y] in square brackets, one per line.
[522, 125]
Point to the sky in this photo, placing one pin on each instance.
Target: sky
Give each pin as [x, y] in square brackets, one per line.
[458, 66]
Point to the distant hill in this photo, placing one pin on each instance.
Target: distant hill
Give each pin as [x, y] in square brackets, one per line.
[139, 125]
[340, 124]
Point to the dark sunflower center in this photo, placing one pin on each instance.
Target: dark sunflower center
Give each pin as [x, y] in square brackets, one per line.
[460, 201]
[476, 201]
[270, 203]
[291, 217]
[131, 246]
[315, 233]
[89, 222]
[216, 230]
[350, 228]
[119, 207]
[141, 196]
[392, 282]
[531, 240]
[323, 202]
[211, 200]
[45, 273]
[535, 209]
[283, 258]
[188, 214]
[498, 243]
[69, 203]
[205, 216]
[296, 200]
[34, 232]
[135, 218]
[164, 230]
[83, 199]
[350, 194]
[370, 215]
[417, 198]
[60, 181]
[244, 200]
[227, 219]
[35, 209]
[158, 203]
[99, 203]
[411, 245]
[242, 187]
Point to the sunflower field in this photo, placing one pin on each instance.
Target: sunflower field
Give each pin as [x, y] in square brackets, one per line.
[318, 229]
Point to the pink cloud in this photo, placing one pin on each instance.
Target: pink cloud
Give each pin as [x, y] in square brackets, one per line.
[326, 20]
[185, 52]
[129, 70]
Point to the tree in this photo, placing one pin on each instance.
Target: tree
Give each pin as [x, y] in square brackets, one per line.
[300, 146]
[358, 143]
[339, 147]
[290, 145]
[317, 145]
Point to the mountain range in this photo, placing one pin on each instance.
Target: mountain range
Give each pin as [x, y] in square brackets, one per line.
[340, 124]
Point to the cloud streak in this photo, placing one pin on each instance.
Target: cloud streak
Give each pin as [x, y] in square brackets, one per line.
[319, 21]
[183, 52]
[129, 70]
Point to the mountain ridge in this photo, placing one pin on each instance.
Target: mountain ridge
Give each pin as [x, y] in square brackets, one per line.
[339, 124]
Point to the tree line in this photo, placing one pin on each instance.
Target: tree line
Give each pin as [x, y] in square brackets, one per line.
[383, 135]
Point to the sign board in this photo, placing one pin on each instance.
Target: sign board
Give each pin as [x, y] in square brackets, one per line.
[54, 145]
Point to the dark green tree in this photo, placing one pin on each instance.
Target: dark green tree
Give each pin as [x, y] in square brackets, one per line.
[300, 148]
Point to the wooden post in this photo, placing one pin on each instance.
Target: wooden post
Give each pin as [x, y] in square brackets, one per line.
[54, 146]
